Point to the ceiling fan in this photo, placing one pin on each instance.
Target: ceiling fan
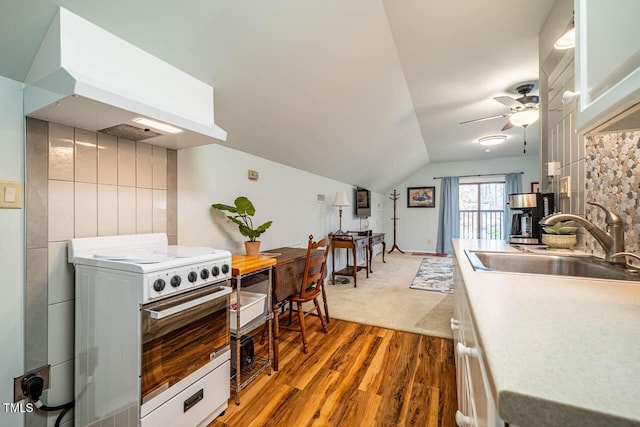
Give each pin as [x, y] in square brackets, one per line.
[524, 110]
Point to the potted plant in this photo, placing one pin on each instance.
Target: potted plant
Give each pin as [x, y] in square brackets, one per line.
[561, 235]
[242, 212]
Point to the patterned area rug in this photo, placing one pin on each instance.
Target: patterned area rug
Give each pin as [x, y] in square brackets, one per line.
[435, 274]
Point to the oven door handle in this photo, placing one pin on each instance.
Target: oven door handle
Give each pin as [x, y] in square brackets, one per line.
[161, 314]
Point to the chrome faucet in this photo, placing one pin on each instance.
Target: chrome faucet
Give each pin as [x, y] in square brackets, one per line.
[612, 240]
[624, 255]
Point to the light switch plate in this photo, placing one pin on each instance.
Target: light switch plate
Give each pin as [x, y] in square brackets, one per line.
[10, 195]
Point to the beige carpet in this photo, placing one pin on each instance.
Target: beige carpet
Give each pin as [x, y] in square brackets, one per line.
[384, 299]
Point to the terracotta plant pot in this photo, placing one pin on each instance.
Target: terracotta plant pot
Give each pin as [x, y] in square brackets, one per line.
[252, 248]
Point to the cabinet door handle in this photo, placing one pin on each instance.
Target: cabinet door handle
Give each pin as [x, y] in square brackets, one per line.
[462, 420]
[463, 350]
[455, 325]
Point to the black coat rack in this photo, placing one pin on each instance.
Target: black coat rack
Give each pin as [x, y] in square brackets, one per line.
[395, 196]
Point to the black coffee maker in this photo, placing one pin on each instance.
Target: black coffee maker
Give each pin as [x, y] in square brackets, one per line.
[525, 227]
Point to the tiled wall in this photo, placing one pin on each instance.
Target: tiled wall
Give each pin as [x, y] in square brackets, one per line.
[613, 180]
[82, 184]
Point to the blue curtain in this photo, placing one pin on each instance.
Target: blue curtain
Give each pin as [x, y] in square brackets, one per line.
[449, 223]
[512, 184]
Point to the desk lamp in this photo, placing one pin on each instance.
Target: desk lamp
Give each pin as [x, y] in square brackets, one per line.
[341, 202]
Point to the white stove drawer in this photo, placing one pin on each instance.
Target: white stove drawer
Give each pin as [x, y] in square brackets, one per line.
[202, 401]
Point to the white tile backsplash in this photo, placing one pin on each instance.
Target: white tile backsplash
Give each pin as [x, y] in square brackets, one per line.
[61, 332]
[60, 274]
[61, 152]
[126, 163]
[566, 141]
[144, 210]
[144, 165]
[67, 421]
[159, 168]
[126, 210]
[61, 226]
[86, 210]
[86, 159]
[61, 387]
[159, 211]
[107, 210]
[107, 159]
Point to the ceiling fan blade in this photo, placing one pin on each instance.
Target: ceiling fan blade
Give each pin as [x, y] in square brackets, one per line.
[509, 102]
[486, 118]
[507, 126]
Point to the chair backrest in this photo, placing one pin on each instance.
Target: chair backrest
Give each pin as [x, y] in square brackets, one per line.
[314, 267]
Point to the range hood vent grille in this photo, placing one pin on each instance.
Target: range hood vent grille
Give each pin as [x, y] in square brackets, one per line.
[132, 133]
[77, 79]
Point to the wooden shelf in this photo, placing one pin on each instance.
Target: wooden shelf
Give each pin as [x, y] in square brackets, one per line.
[249, 373]
[251, 270]
[348, 271]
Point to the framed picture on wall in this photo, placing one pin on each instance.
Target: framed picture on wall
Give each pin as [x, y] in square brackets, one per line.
[421, 197]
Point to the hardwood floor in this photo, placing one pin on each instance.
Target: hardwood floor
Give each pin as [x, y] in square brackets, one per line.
[356, 375]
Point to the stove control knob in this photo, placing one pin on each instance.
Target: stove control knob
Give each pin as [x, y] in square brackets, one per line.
[225, 268]
[193, 276]
[175, 281]
[158, 285]
[215, 271]
[204, 274]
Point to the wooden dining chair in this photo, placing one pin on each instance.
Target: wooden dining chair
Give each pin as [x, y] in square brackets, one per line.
[311, 286]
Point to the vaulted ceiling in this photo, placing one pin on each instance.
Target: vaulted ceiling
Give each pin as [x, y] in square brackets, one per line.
[362, 91]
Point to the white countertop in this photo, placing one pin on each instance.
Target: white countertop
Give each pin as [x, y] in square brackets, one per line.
[560, 351]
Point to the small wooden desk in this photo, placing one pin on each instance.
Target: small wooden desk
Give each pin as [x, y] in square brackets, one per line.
[350, 242]
[375, 239]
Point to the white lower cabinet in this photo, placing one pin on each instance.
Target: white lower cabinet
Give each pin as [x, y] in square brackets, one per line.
[476, 405]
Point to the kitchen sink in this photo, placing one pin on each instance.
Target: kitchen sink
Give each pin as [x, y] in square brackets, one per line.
[579, 266]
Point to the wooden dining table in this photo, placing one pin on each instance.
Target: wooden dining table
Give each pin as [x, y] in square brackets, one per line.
[287, 276]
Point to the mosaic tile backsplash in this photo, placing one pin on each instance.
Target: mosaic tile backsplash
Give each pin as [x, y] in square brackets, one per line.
[613, 180]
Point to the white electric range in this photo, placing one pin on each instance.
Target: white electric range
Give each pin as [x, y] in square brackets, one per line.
[152, 331]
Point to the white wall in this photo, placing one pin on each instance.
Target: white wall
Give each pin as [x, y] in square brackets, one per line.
[287, 196]
[11, 247]
[418, 227]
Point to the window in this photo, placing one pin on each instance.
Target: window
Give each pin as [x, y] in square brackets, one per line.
[481, 210]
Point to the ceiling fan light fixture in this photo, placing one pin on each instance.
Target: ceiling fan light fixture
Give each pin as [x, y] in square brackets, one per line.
[524, 118]
[492, 140]
[567, 40]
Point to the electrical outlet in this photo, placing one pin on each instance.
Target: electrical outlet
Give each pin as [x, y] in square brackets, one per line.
[42, 372]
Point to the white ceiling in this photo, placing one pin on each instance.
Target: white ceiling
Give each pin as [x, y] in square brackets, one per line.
[362, 91]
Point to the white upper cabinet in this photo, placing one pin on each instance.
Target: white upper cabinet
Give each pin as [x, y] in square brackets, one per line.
[607, 65]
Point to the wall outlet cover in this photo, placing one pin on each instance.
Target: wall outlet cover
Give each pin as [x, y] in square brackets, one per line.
[42, 372]
[553, 168]
[565, 187]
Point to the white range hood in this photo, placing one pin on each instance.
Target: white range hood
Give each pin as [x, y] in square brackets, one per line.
[85, 77]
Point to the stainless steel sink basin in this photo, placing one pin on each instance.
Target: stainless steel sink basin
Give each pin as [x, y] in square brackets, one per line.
[582, 266]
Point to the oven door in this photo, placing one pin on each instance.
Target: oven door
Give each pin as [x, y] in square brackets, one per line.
[181, 335]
